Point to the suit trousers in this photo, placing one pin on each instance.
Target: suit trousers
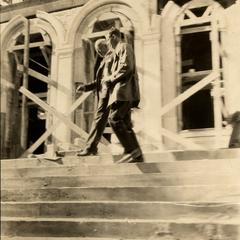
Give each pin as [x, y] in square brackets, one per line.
[235, 136]
[99, 124]
[120, 121]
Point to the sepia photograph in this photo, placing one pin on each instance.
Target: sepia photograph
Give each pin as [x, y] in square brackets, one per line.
[120, 119]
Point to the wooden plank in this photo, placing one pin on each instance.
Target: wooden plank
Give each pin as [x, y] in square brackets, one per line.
[31, 45]
[198, 4]
[202, 133]
[188, 22]
[188, 93]
[24, 110]
[53, 111]
[190, 14]
[180, 140]
[208, 11]
[197, 73]
[16, 58]
[39, 64]
[52, 128]
[41, 94]
[34, 73]
[44, 53]
[196, 29]
[30, 104]
[38, 75]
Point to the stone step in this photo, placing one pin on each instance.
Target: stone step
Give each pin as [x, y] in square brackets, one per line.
[225, 165]
[198, 193]
[123, 210]
[132, 180]
[117, 228]
[64, 238]
[182, 154]
[104, 159]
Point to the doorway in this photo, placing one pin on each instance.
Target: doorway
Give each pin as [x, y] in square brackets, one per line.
[196, 58]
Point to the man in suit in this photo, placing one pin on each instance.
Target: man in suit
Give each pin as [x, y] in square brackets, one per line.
[102, 89]
[234, 141]
[124, 95]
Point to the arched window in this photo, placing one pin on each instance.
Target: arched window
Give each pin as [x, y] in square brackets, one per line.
[198, 41]
[39, 59]
[89, 60]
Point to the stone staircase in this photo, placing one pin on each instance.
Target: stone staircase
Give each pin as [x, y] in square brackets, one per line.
[182, 195]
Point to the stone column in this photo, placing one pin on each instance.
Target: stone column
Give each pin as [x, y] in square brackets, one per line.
[151, 86]
[63, 96]
[232, 48]
[169, 69]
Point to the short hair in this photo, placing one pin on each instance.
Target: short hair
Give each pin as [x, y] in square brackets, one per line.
[114, 31]
[101, 47]
[99, 43]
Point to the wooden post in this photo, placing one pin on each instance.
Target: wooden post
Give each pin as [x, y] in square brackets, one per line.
[179, 78]
[24, 110]
[216, 84]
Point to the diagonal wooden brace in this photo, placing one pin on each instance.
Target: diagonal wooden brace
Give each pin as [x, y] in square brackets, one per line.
[52, 128]
[37, 75]
[178, 100]
[188, 93]
[181, 140]
[62, 118]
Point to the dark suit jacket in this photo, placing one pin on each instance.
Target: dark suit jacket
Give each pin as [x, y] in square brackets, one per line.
[98, 84]
[124, 75]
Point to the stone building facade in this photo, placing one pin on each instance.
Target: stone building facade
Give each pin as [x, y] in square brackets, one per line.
[177, 44]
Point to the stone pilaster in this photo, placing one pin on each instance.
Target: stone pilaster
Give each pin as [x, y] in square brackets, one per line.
[63, 96]
[232, 61]
[151, 87]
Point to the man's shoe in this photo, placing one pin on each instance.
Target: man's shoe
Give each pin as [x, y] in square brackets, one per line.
[87, 152]
[134, 156]
[139, 159]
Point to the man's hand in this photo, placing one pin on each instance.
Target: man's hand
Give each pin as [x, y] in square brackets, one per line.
[108, 83]
[80, 88]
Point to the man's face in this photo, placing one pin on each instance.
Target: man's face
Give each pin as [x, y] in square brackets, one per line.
[102, 50]
[101, 47]
[112, 40]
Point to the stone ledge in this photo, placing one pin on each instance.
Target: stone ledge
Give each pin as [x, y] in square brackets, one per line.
[29, 8]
